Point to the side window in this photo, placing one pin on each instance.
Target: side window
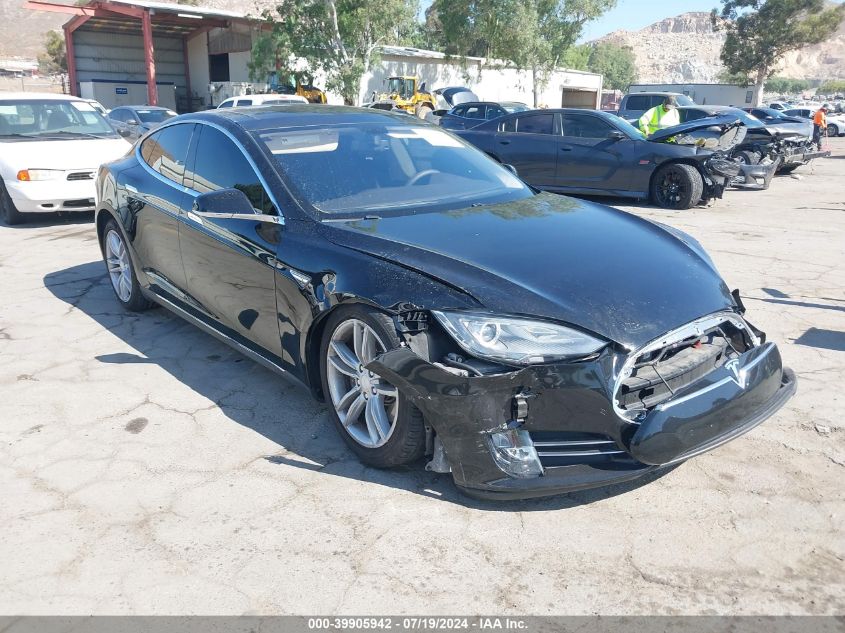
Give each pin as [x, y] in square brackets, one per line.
[637, 102]
[166, 151]
[220, 164]
[474, 112]
[244, 102]
[494, 112]
[459, 110]
[536, 124]
[227, 103]
[508, 126]
[118, 114]
[582, 126]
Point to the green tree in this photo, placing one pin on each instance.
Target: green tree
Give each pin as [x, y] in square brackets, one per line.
[338, 37]
[784, 85]
[832, 86]
[54, 58]
[577, 57]
[531, 34]
[761, 32]
[616, 63]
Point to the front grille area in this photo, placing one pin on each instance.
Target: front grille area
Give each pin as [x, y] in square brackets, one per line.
[568, 448]
[82, 203]
[81, 175]
[657, 374]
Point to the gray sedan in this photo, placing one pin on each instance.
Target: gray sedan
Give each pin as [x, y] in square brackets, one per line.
[132, 122]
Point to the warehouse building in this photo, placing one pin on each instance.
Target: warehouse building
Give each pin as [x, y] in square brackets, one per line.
[137, 51]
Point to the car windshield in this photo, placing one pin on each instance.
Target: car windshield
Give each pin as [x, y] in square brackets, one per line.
[374, 168]
[629, 129]
[155, 116]
[40, 119]
[510, 108]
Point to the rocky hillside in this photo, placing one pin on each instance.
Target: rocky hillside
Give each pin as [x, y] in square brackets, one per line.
[685, 49]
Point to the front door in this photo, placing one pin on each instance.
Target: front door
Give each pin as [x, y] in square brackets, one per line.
[590, 157]
[529, 142]
[230, 261]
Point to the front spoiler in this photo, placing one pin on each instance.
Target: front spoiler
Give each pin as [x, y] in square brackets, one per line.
[578, 397]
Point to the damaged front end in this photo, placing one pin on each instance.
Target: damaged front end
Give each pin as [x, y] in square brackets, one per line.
[606, 417]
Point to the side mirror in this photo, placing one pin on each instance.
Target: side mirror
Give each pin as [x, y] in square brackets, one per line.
[511, 169]
[224, 202]
[616, 135]
[132, 122]
[123, 132]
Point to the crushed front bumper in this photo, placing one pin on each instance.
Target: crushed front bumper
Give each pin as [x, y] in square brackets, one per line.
[757, 177]
[571, 405]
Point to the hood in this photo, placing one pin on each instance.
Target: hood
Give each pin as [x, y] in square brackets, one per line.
[726, 132]
[553, 257]
[64, 154]
[786, 129]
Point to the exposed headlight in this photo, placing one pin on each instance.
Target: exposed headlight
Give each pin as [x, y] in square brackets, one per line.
[516, 341]
[26, 175]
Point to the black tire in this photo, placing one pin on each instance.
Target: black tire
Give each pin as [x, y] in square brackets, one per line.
[8, 211]
[788, 169]
[421, 110]
[832, 130]
[748, 158]
[136, 302]
[676, 186]
[406, 443]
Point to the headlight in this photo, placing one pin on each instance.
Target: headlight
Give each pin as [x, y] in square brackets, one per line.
[26, 175]
[514, 340]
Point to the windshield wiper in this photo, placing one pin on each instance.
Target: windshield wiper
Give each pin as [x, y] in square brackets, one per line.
[65, 134]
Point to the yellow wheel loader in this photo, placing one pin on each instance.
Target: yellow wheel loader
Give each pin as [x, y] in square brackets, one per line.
[406, 94]
[291, 85]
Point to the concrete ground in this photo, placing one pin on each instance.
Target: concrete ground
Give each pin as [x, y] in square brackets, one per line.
[146, 468]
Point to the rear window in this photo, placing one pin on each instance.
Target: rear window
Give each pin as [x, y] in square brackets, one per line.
[638, 102]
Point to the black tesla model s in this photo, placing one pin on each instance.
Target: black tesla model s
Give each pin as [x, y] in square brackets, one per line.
[526, 342]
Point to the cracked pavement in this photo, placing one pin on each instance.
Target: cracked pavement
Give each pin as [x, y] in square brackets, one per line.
[146, 468]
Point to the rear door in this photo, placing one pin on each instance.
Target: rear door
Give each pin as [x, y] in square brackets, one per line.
[590, 157]
[230, 261]
[529, 142]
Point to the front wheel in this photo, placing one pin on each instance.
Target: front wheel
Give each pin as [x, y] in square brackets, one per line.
[380, 426]
[677, 186]
[8, 211]
[119, 267]
[832, 130]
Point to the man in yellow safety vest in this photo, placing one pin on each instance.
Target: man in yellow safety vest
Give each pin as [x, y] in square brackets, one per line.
[659, 117]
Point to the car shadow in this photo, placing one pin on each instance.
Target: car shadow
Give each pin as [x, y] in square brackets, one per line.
[36, 220]
[254, 397]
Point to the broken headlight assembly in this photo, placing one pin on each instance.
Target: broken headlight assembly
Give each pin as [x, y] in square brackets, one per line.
[514, 340]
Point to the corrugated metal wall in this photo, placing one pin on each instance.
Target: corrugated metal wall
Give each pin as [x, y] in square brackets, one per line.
[120, 57]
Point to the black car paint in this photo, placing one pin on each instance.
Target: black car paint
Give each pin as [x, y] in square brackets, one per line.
[612, 166]
[266, 285]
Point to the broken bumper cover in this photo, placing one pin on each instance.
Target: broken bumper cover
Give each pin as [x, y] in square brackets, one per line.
[580, 440]
[804, 157]
[757, 177]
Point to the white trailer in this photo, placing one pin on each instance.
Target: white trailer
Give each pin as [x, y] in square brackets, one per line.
[705, 94]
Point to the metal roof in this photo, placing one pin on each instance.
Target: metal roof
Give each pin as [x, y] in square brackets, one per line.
[184, 9]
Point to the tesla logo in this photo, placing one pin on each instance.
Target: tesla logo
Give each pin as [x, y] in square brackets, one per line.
[736, 374]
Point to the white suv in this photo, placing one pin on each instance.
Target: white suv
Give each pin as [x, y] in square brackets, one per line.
[257, 100]
[50, 149]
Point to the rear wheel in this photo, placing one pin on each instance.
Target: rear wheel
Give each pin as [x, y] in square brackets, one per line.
[380, 426]
[748, 158]
[677, 186]
[832, 130]
[8, 211]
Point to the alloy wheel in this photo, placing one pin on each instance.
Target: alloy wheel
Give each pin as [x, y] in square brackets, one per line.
[117, 262]
[673, 187]
[366, 405]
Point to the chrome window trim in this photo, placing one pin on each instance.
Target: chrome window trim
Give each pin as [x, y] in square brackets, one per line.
[280, 218]
[693, 328]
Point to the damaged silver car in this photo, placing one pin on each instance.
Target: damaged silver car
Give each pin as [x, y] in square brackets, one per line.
[525, 342]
